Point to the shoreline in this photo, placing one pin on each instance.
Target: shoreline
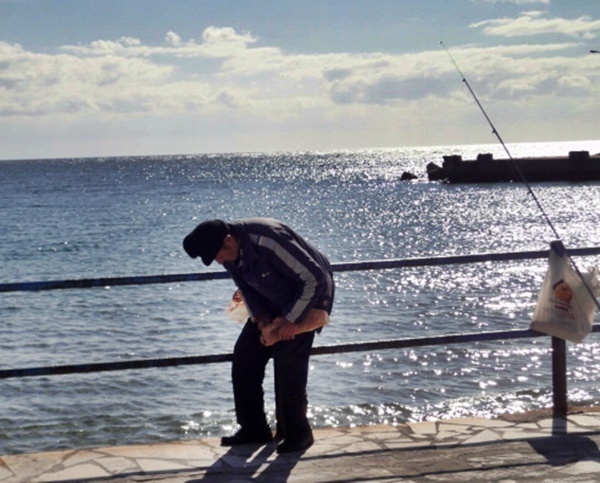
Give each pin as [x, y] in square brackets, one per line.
[529, 446]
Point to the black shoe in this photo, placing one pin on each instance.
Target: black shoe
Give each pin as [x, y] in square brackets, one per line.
[248, 436]
[296, 444]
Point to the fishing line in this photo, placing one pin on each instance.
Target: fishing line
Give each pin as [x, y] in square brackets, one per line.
[515, 166]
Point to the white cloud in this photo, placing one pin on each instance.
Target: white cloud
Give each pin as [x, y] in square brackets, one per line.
[216, 43]
[127, 77]
[173, 39]
[574, 81]
[44, 84]
[534, 23]
[227, 79]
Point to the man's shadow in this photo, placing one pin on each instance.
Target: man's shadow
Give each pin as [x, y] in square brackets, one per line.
[252, 462]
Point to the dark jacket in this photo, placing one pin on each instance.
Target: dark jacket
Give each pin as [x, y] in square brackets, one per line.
[278, 272]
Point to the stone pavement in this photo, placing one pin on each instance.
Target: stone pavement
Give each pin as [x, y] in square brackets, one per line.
[528, 447]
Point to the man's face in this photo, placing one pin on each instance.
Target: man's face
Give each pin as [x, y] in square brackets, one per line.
[229, 251]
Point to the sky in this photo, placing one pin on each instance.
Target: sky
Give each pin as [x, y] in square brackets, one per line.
[81, 78]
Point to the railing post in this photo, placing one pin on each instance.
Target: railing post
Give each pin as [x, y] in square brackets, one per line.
[559, 378]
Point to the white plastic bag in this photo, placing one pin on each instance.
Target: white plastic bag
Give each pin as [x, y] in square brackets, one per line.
[565, 308]
[236, 309]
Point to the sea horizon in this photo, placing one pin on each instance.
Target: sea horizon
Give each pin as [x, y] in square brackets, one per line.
[587, 143]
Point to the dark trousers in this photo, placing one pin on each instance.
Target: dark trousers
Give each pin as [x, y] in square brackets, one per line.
[290, 358]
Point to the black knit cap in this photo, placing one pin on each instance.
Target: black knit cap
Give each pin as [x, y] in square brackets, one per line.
[206, 240]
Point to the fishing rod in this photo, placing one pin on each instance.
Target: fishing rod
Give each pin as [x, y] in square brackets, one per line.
[514, 165]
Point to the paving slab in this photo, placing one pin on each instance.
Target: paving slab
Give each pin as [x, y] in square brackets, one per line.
[531, 447]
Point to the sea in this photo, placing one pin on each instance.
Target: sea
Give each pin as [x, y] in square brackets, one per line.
[64, 219]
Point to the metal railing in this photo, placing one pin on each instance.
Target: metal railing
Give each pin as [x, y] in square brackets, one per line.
[559, 378]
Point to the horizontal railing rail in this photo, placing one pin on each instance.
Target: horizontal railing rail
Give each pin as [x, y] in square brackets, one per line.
[558, 345]
[337, 267]
[227, 357]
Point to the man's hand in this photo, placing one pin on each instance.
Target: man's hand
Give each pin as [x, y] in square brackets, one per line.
[279, 329]
[263, 320]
